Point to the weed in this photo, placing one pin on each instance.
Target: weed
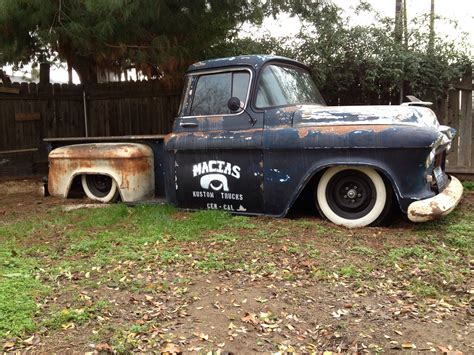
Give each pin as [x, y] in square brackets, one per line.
[362, 250]
[312, 251]
[211, 262]
[293, 249]
[468, 185]
[66, 316]
[225, 237]
[409, 252]
[172, 255]
[348, 271]
[422, 288]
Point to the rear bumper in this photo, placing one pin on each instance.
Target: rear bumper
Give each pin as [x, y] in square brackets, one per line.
[437, 206]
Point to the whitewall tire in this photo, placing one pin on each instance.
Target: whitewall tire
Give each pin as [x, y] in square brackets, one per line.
[101, 188]
[352, 196]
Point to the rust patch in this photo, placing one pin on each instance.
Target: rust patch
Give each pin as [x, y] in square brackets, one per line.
[290, 109]
[345, 129]
[214, 119]
[303, 132]
[168, 137]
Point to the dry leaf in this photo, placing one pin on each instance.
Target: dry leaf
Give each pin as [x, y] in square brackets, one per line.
[250, 318]
[8, 345]
[104, 347]
[171, 348]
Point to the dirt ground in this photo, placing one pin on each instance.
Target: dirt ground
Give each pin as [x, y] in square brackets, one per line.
[284, 298]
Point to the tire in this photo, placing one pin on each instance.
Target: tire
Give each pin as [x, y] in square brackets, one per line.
[101, 188]
[353, 196]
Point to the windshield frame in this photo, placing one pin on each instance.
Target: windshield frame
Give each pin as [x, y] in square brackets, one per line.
[286, 65]
[193, 86]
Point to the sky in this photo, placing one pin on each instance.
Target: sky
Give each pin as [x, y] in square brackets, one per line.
[460, 10]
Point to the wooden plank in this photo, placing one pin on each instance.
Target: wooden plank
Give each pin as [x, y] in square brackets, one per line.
[27, 116]
[16, 151]
[453, 121]
[465, 124]
[460, 169]
[462, 86]
[5, 90]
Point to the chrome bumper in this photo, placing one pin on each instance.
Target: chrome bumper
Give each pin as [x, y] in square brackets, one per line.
[437, 206]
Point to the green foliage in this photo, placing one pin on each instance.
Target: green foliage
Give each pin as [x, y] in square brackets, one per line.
[158, 37]
[367, 64]
[468, 185]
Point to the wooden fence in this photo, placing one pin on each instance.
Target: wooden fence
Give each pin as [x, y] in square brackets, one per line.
[456, 111]
[30, 112]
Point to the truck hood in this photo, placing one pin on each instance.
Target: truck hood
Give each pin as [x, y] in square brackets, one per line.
[308, 115]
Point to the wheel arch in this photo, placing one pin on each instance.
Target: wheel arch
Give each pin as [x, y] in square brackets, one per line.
[76, 175]
[312, 176]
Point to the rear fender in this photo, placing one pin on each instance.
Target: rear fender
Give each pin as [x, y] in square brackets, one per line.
[129, 164]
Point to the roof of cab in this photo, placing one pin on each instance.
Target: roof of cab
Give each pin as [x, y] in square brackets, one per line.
[255, 61]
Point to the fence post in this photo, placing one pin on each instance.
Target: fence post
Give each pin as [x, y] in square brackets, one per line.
[85, 112]
[465, 123]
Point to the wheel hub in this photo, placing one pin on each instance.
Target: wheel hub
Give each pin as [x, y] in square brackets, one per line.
[352, 193]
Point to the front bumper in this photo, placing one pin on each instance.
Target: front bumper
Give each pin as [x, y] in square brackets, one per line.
[437, 206]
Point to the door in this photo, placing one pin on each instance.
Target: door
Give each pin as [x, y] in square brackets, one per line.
[218, 153]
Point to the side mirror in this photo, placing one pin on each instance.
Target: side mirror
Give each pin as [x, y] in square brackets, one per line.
[234, 104]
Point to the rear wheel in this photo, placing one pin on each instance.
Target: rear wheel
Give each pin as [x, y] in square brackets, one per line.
[353, 196]
[100, 187]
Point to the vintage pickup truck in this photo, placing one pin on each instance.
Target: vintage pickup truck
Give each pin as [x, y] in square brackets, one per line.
[253, 135]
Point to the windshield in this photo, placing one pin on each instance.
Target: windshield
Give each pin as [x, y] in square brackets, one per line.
[283, 86]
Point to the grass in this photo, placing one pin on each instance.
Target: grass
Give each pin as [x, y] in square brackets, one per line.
[129, 249]
[19, 288]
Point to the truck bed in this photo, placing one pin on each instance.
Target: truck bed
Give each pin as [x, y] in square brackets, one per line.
[152, 137]
[155, 142]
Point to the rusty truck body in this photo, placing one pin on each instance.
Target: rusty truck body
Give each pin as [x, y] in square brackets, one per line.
[253, 135]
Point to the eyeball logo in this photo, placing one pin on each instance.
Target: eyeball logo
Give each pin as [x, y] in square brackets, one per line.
[214, 174]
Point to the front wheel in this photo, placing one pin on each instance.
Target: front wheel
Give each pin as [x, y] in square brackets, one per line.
[100, 187]
[353, 196]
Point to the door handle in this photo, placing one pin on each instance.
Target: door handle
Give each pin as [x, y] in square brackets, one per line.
[188, 124]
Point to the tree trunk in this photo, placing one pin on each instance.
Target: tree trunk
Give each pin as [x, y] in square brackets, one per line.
[432, 31]
[398, 20]
[69, 72]
[86, 72]
[5, 78]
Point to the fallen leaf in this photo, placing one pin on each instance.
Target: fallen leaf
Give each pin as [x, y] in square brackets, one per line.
[31, 340]
[68, 326]
[8, 345]
[171, 348]
[202, 336]
[250, 318]
[104, 347]
[408, 345]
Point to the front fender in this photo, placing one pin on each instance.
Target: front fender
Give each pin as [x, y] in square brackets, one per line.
[129, 164]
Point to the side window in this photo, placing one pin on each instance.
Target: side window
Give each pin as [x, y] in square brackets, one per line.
[214, 90]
